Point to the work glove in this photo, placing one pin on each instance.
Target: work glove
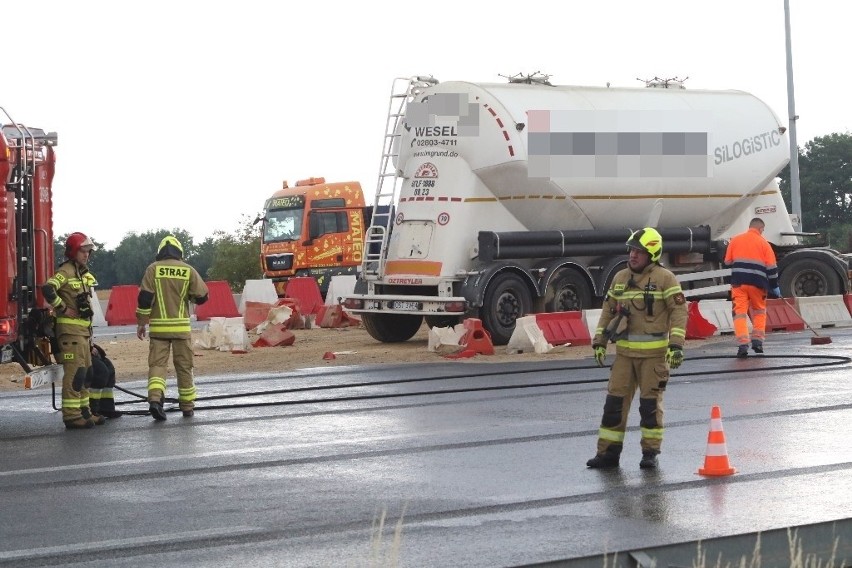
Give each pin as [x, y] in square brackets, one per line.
[674, 356]
[600, 355]
[775, 292]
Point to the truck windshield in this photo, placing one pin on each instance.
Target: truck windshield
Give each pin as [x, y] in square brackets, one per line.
[283, 225]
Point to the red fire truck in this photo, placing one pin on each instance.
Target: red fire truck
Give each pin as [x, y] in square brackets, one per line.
[27, 162]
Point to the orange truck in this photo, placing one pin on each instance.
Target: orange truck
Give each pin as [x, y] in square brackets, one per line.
[313, 229]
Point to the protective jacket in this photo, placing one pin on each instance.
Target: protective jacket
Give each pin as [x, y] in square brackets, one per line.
[752, 261]
[164, 295]
[71, 286]
[655, 308]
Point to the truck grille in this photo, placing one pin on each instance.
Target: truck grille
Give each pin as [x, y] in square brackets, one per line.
[279, 262]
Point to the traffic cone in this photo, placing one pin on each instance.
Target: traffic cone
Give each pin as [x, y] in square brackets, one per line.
[716, 460]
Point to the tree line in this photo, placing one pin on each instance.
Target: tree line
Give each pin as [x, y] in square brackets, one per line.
[825, 177]
[233, 257]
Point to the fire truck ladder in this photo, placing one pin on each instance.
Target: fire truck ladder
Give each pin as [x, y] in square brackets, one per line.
[27, 142]
[403, 91]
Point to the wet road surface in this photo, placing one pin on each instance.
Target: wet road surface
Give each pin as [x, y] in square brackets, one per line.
[446, 465]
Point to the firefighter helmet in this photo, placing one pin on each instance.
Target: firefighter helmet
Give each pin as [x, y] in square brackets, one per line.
[169, 247]
[77, 242]
[648, 240]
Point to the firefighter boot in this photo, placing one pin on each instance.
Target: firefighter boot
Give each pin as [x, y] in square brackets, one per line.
[742, 352]
[157, 411]
[606, 460]
[78, 423]
[95, 419]
[649, 459]
[757, 346]
[107, 408]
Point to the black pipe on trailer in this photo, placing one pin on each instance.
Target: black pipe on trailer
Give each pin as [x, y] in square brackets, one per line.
[554, 244]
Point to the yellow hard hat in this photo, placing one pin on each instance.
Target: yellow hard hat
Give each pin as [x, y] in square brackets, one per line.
[648, 240]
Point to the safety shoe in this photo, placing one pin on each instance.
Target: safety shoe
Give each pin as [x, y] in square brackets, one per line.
[605, 460]
[188, 413]
[78, 424]
[649, 460]
[157, 411]
[112, 413]
[96, 419]
[742, 352]
[757, 347]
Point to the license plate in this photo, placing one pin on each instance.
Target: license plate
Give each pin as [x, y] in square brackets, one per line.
[408, 306]
[6, 354]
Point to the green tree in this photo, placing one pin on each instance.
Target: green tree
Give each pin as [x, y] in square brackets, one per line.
[825, 176]
[101, 262]
[204, 256]
[237, 256]
[136, 251]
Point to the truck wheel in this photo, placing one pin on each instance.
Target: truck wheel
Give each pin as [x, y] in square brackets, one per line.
[391, 328]
[442, 321]
[570, 293]
[808, 277]
[506, 299]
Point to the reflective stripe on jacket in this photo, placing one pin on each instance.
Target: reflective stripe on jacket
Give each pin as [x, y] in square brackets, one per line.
[69, 282]
[647, 334]
[172, 283]
[752, 261]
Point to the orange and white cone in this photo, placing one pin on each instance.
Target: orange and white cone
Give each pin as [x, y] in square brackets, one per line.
[716, 460]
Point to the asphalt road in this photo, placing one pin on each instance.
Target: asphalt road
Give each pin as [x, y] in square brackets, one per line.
[446, 465]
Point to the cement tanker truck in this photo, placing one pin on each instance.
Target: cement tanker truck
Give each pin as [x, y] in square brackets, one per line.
[518, 198]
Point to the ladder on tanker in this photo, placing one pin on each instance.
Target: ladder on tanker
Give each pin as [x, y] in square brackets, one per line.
[27, 144]
[390, 180]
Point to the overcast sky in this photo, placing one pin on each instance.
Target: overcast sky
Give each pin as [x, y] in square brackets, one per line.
[188, 114]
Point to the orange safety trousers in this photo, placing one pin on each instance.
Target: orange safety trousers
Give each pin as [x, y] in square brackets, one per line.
[745, 296]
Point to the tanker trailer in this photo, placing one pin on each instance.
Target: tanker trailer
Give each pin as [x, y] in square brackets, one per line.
[518, 198]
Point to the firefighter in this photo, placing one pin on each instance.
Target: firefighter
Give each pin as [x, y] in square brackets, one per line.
[69, 292]
[101, 383]
[753, 273]
[644, 314]
[168, 285]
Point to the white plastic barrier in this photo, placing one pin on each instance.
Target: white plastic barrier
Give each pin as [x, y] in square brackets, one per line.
[824, 311]
[98, 320]
[720, 314]
[340, 286]
[591, 318]
[257, 291]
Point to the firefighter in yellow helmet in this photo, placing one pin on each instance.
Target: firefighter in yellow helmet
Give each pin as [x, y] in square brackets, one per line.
[644, 314]
[69, 292]
[168, 285]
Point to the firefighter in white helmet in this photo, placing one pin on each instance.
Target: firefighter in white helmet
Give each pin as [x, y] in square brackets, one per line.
[168, 285]
[644, 314]
[69, 292]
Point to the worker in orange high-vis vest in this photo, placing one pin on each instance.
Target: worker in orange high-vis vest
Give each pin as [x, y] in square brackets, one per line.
[168, 285]
[754, 274]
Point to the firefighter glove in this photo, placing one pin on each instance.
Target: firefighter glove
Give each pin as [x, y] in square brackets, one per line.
[674, 356]
[600, 355]
[775, 292]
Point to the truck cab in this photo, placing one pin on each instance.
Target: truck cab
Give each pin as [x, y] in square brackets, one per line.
[313, 229]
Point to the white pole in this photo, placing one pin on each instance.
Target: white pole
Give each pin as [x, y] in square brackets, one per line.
[791, 111]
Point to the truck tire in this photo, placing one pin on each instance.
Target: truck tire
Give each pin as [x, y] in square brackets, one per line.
[570, 293]
[506, 299]
[442, 321]
[392, 328]
[808, 277]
